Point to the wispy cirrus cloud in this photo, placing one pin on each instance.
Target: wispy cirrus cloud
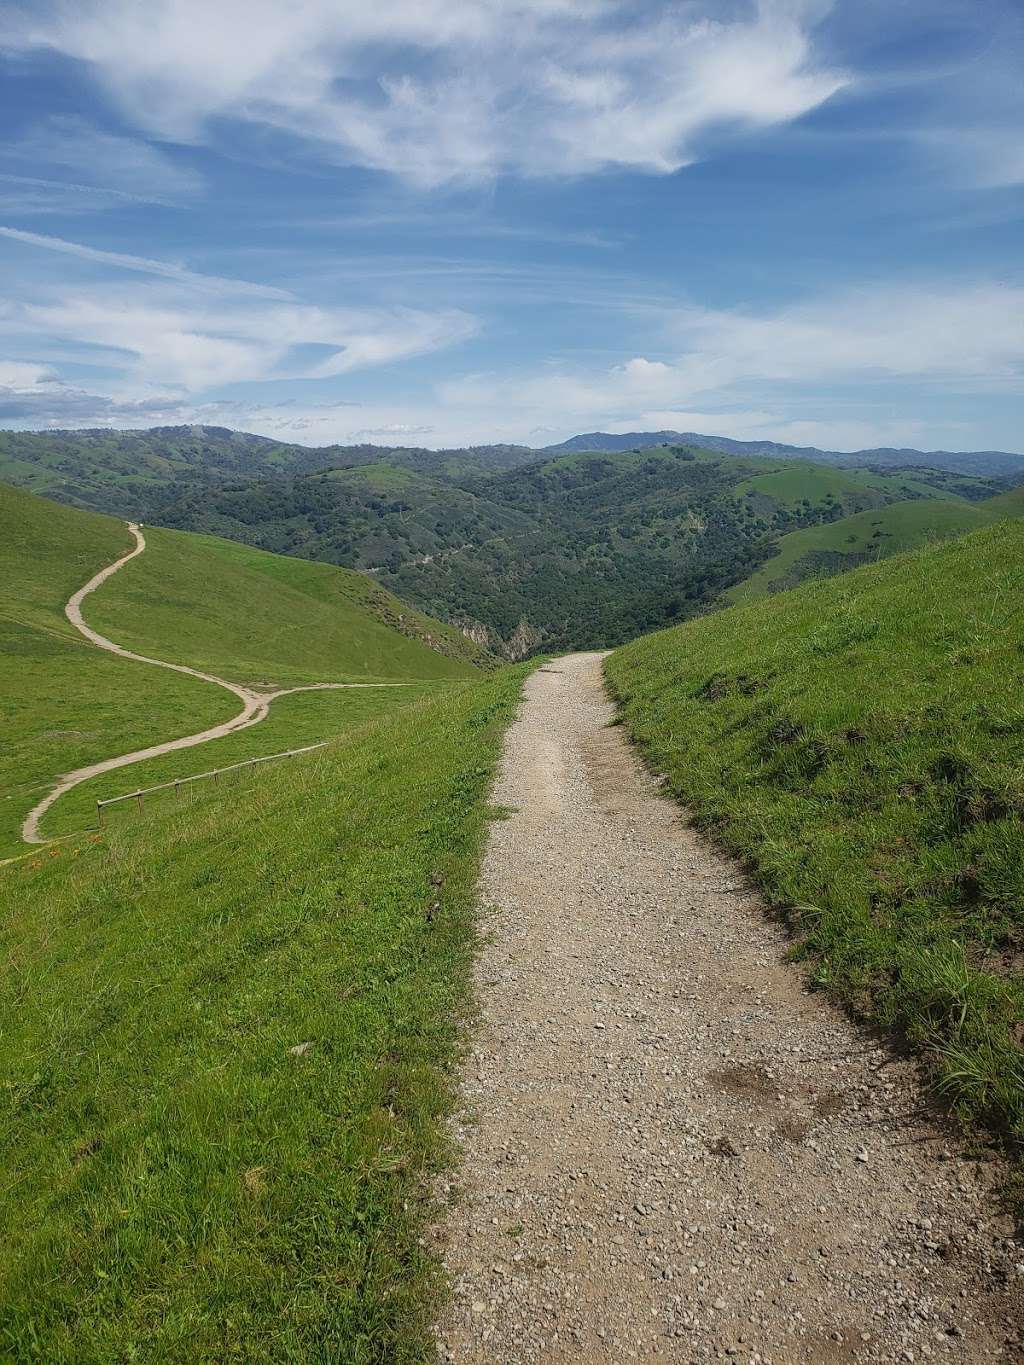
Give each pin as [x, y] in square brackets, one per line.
[434, 91]
[967, 339]
[732, 372]
[145, 265]
[182, 330]
[103, 162]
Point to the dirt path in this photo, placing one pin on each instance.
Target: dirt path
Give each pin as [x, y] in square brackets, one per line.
[671, 1148]
[255, 701]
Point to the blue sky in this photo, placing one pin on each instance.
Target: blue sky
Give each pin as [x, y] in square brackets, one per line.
[438, 222]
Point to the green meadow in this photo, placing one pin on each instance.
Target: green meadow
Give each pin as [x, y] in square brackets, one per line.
[296, 720]
[255, 617]
[835, 546]
[228, 1053]
[212, 604]
[65, 702]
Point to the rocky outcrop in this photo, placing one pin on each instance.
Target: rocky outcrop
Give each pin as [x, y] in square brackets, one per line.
[523, 641]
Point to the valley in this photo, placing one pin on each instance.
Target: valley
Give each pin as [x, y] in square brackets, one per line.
[512, 683]
[521, 549]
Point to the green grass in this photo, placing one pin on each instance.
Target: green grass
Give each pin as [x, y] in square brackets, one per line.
[260, 617]
[64, 702]
[1007, 504]
[799, 480]
[860, 742]
[838, 545]
[179, 1186]
[296, 720]
[223, 607]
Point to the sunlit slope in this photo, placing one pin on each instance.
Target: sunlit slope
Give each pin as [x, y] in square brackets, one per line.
[295, 720]
[227, 609]
[228, 1048]
[253, 616]
[834, 547]
[64, 703]
[860, 741]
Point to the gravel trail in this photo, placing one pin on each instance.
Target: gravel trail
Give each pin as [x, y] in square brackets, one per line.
[255, 701]
[670, 1148]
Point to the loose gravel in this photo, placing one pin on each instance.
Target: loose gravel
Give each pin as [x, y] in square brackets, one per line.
[670, 1147]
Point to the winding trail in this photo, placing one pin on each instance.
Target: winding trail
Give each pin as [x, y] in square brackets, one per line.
[671, 1148]
[255, 701]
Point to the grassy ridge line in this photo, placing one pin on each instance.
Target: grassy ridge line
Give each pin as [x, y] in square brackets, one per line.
[860, 742]
[838, 546]
[178, 1184]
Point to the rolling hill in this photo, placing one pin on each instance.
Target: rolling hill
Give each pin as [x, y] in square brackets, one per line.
[860, 743]
[250, 616]
[130, 473]
[231, 1029]
[984, 463]
[838, 546]
[520, 550]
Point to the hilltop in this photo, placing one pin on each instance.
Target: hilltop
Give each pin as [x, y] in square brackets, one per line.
[983, 462]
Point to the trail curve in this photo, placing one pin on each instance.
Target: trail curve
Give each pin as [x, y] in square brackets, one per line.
[255, 702]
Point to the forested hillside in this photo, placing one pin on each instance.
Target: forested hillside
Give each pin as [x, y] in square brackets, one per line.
[984, 463]
[521, 551]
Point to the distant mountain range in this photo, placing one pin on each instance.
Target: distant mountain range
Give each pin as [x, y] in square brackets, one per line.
[986, 462]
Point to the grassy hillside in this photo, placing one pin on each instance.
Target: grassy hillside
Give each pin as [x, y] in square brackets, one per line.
[860, 741]
[223, 607]
[294, 721]
[817, 551]
[269, 618]
[64, 702]
[838, 546]
[580, 549]
[1009, 504]
[227, 1052]
[795, 483]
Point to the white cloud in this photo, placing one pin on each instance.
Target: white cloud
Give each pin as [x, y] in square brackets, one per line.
[948, 332]
[969, 335]
[120, 260]
[23, 375]
[103, 162]
[159, 338]
[434, 90]
[800, 374]
[182, 331]
[983, 158]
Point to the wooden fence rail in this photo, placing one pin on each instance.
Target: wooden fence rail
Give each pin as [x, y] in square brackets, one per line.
[215, 773]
